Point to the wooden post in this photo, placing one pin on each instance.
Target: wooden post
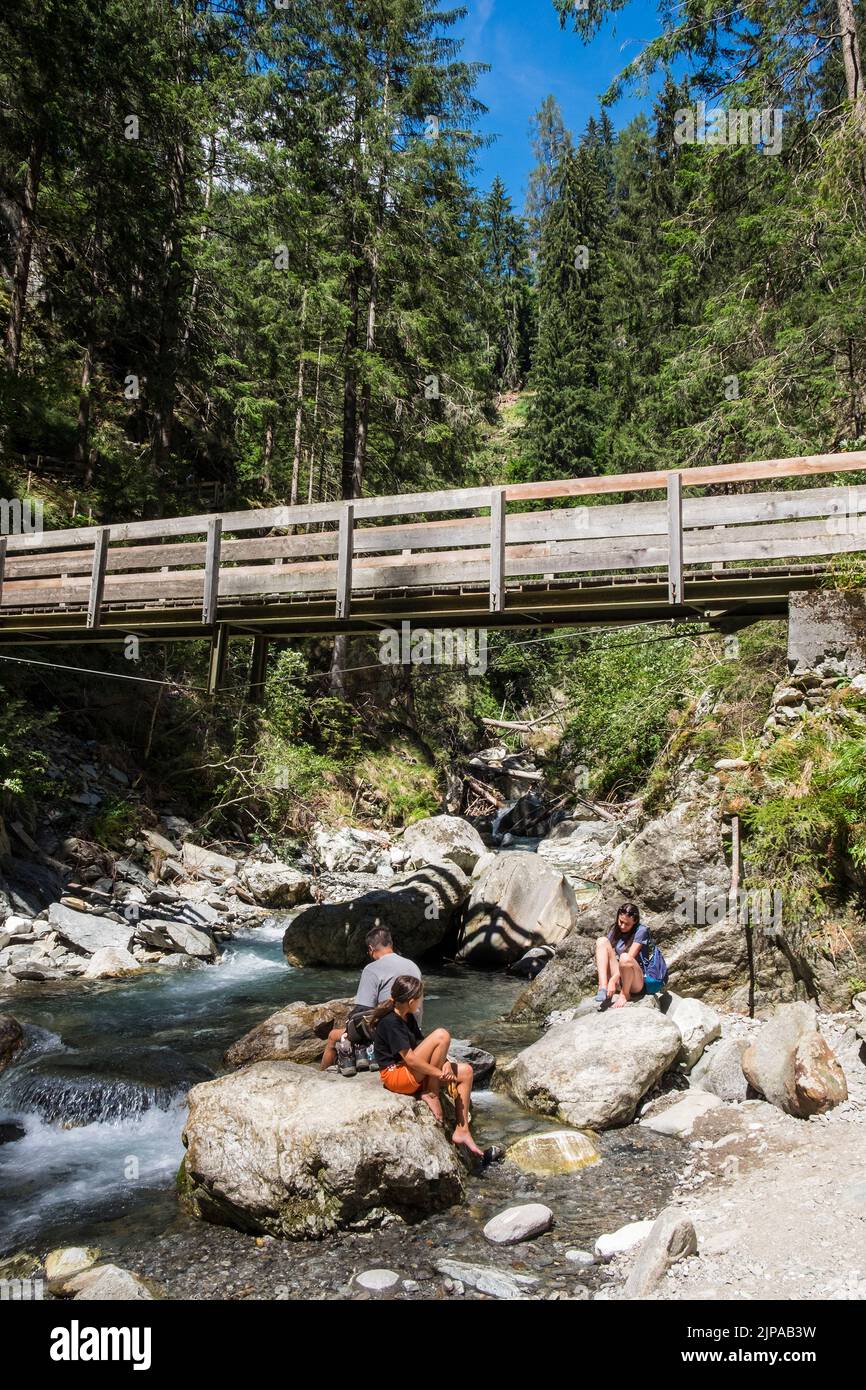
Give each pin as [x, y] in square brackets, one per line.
[675, 538]
[258, 669]
[345, 545]
[219, 648]
[3, 543]
[497, 550]
[212, 572]
[97, 577]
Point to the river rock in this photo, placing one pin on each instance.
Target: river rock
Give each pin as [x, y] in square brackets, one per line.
[679, 1119]
[438, 838]
[176, 937]
[580, 849]
[206, 863]
[662, 865]
[671, 1238]
[288, 1035]
[284, 1150]
[801, 1081]
[720, 1070]
[520, 902]
[819, 1081]
[109, 962]
[11, 1039]
[63, 1264]
[88, 932]
[276, 885]
[532, 962]
[699, 1025]
[498, 1283]
[349, 850]
[622, 1241]
[378, 1280]
[571, 976]
[593, 1072]
[108, 1283]
[483, 1063]
[516, 1224]
[552, 1154]
[416, 909]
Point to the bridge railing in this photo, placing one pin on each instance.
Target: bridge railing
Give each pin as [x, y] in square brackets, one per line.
[377, 544]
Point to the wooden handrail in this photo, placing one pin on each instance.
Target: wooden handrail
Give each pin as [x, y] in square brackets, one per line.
[447, 500]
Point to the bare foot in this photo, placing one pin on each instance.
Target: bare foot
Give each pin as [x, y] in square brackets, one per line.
[619, 1003]
[461, 1135]
[436, 1107]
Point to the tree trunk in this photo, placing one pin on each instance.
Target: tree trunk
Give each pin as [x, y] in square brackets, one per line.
[82, 443]
[268, 453]
[851, 59]
[24, 251]
[170, 319]
[299, 409]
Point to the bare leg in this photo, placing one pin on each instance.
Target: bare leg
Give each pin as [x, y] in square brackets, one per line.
[433, 1050]
[606, 964]
[632, 982]
[461, 1134]
[329, 1056]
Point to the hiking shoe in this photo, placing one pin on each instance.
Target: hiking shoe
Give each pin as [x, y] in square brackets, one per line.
[601, 1000]
[362, 1061]
[346, 1061]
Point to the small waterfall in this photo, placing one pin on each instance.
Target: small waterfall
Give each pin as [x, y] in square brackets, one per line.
[82, 1088]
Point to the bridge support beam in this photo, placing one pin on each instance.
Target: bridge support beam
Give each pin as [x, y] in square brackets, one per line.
[497, 550]
[675, 538]
[219, 649]
[258, 669]
[345, 548]
[97, 577]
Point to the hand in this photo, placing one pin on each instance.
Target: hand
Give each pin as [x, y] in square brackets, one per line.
[448, 1072]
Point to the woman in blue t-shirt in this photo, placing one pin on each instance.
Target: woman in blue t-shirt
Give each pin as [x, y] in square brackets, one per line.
[622, 957]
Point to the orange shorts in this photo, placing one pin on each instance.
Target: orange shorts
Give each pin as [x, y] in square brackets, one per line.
[401, 1080]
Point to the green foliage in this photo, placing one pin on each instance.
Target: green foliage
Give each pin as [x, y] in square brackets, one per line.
[22, 761]
[114, 822]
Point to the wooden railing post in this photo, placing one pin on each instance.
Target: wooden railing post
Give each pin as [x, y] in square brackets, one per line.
[345, 545]
[219, 650]
[2, 564]
[675, 538]
[97, 577]
[210, 599]
[497, 549]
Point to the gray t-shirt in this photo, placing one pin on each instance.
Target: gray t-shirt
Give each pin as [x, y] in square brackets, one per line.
[374, 986]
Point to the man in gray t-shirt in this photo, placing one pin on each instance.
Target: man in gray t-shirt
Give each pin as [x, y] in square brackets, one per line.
[374, 986]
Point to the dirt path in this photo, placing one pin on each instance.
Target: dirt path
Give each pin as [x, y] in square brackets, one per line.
[778, 1204]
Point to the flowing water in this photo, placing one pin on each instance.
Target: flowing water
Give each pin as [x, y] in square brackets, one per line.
[92, 1112]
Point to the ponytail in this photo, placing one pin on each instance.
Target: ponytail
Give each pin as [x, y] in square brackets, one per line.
[404, 989]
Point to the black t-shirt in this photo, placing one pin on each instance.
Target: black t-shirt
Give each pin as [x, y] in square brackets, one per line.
[393, 1036]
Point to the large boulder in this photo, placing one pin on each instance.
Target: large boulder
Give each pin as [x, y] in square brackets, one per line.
[276, 885]
[11, 1039]
[443, 838]
[518, 903]
[350, 850]
[206, 863]
[791, 1065]
[176, 937]
[699, 1025]
[720, 1070]
[284, 1150]
[571, 975]
[416, 909]
[580, 849]
[88, 932]
[288, 1035]
[594, 1071]
[110, 962]
[675, 867]
[672, 1238]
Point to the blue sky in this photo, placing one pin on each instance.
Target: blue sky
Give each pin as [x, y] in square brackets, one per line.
[530, 56]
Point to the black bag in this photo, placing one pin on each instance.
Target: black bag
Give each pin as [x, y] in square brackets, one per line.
[358, 1028]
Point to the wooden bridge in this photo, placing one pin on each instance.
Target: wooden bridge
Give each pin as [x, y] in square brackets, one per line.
[719, 544]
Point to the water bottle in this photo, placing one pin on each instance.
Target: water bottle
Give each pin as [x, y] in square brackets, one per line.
[371, 1058]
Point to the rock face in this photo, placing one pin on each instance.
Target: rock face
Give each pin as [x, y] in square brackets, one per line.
[276, 885]
[518, 903]
[416, 909]
[580, 849]
[288, 1035]
[208, 864]
[661, 867]
[11, 1039]
[483, 1063]
[88, 932]
[790, 1064]
[177, 937]
[594, 1071]
[439, 838]
[699, 1025]
[281, 1149]
[679, 1119]
[672, 1238]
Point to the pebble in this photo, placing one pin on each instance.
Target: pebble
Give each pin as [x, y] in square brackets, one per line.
[515, 1224]
[580, 1257]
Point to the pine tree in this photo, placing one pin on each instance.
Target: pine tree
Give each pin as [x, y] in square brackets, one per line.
[550, 143]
